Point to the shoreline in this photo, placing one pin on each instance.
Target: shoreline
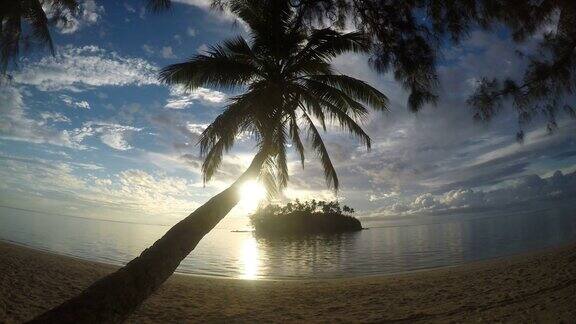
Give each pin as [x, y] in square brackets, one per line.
[535, 286]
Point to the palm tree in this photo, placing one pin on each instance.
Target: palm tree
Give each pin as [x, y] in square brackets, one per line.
[285, 71]
[288, 82]
[16, 13]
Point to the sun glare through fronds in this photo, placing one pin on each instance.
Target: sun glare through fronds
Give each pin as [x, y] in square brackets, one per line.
[251, 194]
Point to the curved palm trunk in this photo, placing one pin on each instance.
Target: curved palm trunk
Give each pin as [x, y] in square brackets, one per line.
[113, 298]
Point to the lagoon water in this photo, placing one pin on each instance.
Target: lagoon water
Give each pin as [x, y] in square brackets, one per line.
[387, 246]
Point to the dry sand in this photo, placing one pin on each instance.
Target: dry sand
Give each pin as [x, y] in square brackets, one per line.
[538, 287]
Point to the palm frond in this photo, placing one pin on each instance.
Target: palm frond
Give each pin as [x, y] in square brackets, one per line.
[24, 21]
[268, 177]
[223, 67]
[326, 93]
[311, 66]
[318, 144]
[39, 24]
[326, 44]
[348, 124]
[269, 22]
[157, 6]
[220, 135]
[213, 159]
[237, 46]
[61, 5]
[9, 43]
[295, 136]
[236, 118]
[338, 112]
[310, 103]
[355, 88]
[281, 162]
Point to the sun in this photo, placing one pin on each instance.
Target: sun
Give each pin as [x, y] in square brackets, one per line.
[251, 194]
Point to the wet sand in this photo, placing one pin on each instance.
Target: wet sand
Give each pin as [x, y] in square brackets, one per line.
[535, 287]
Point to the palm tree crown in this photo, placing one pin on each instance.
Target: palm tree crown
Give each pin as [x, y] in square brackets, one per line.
[285, 70]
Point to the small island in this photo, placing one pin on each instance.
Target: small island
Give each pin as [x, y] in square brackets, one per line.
[309, 217]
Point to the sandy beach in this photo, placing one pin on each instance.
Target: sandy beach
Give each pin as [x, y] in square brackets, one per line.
[536, 287]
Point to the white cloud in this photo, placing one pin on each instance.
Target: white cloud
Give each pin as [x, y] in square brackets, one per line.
[196, 128]
[180, 98]
[167, 53]
[191, 32]
[15, 124]
[127, 194]
[207, 6]
[129, 8]
[202, 49]
[386, 195]
[89, 14]
[115, 140]
[112, 135]
[204, 4]
[524, 190]
[149, 50]
[71, 102]
[82, 68]
[54, 117]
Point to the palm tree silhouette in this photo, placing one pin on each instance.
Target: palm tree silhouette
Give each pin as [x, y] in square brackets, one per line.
[14, 14]
[289, 82]
[285, 69]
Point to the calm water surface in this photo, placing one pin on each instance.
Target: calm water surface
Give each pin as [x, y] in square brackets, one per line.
[387, 246]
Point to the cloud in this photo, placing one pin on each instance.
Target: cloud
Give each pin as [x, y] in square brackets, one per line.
[110, 134]
[83, 68]
[15, 124]
[167, 53]
[233, 165]
[115, 139]
[523, 190]
[149, 50]
[206, 5]
[71, 102]
[196, 128]
[202, 49]
[386, 195]
[129, 8]
[192, 32]
[55, 117]
[89, 14]
[180, 98]
[131, 193]
[440, 148]
[436, 161]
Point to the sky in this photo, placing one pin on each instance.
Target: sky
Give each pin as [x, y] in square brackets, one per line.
[90, 132]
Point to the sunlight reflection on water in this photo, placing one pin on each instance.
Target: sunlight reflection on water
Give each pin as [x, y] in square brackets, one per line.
[250, 259]
[389, 246]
